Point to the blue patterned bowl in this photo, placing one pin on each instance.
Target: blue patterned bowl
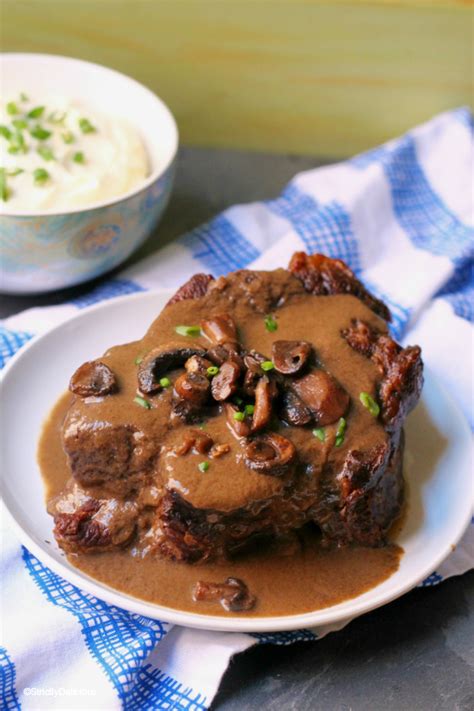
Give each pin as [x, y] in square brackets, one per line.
[50, 250]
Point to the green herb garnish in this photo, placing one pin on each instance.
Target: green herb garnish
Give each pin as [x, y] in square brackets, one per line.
[67, 137]
[86, 126]
[165, 382]
[17, 143]
[212, 370]
[4, 192]
[57, 116]
[249, 409]
[138, 360]
[20, 124]
[238, 400]
[341, 431]
[15, 171]
[36, 112]
[40, 133]
[5, 132]
[79, 157]
[141, 401]
[188, 330]
[320, 434]
[267, 365]
[41, 176]
[46, 153]
[239, 416]
[203, 466]
[369, 402]
[270, 324]
[12, 108]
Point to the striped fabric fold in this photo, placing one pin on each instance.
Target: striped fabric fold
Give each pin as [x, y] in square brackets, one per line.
[402, 217]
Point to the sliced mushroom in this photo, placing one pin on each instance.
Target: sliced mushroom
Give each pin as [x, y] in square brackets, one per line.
[269, 454]
[241, 428]
[218, 450]
[224, 352]
[253, 372]
[198, 440]
[293, 410]
[159, 361]
[289, 357]
[233, 594]
[220, 329]
[323, 395]
[264, 394]
[192, 388]
[197, 364]
[93, 378]
[224, 384]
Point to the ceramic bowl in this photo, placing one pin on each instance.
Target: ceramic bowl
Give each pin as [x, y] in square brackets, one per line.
[51, 249]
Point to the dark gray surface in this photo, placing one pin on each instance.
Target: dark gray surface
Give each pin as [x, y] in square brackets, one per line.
[416, 654]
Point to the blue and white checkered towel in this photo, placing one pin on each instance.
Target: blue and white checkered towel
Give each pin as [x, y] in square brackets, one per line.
[401, 216]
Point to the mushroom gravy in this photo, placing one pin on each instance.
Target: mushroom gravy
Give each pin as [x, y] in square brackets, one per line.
[298, 574]
[286, 580]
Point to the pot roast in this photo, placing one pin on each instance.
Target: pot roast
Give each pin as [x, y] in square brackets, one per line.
[256, 404]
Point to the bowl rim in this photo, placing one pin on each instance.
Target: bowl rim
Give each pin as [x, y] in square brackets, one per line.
[143, 185]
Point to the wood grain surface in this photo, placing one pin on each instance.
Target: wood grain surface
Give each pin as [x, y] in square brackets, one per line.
[320, 78]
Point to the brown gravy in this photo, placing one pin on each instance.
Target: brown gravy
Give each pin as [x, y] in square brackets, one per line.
[287, 582]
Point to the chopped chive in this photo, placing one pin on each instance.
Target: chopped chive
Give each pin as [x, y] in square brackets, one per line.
[340, 432]
[138, 360]
[20, 124]
[249, 409]
[46, 153]
[320, 434]
[4, 192]
[239, 416]
[17, 143]
[188, 330]
[14, 172]
[5, 132]
[67, 137]
[12, 108]
[41, 176]
[57, 116]
[36, 112]
[270, 324]
[86, 126]
[267, 365]
[141, 401]
[369, 402]
[79, 157]
[23, 96]
[238, 400]
[203, 466]
[165, 382]
[202, 426]
[212, 370]
[40, 133]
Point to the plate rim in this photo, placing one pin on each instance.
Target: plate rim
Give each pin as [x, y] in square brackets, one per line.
[239, 624]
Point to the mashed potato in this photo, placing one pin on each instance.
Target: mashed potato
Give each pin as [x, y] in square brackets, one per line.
[58, 155]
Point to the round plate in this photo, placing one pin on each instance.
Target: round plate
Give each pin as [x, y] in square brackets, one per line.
[437, 468]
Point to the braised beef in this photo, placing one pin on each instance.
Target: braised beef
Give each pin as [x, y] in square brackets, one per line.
[273, 406]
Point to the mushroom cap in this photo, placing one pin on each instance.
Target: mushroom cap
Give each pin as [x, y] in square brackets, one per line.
[160, 360]
[269, 453]
[93, 378]
[290, 357]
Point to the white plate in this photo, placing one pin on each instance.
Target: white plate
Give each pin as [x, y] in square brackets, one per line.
[437, 468]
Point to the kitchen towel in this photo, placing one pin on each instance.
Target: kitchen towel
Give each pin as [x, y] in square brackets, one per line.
[401, 216]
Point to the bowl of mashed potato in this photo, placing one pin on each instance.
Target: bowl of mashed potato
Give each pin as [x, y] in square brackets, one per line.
[87, 161]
